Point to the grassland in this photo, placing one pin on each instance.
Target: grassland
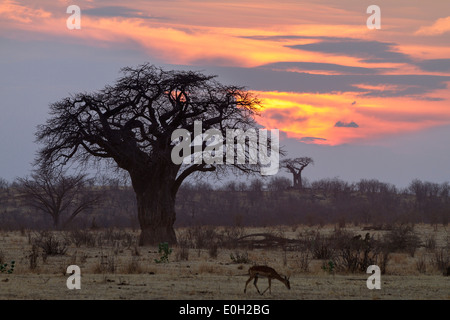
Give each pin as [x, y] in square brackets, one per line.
[113, 267]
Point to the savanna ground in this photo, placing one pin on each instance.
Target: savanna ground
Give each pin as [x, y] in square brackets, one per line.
[114, 267]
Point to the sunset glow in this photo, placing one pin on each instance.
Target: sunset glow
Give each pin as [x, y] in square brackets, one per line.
[354, 84]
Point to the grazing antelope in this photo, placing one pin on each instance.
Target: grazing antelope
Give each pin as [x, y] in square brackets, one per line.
[256, 272]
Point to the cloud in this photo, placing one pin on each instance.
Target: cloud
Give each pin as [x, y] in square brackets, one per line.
[285, 115]
[367, 51]
[320, 67]
[293, 37]
[118, 11]
[264, 79]
[441, 26]
[21, 13]
[396, 116]
[435, 65]
[341, 124]
[311, 139]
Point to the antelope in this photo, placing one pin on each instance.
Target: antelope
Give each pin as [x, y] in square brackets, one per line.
[256, 272]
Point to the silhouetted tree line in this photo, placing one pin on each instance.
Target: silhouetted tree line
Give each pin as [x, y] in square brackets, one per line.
[248, 203]
[320, 202]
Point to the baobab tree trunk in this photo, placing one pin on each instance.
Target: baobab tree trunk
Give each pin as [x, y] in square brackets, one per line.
[297, 181]
[155, 202]
[156, 214]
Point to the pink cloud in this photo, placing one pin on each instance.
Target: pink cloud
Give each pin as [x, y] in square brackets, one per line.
[11, 10]
[441, 26]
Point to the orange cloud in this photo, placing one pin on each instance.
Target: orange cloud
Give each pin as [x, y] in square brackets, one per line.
[315, 116]
[441, 26]
[11, 10]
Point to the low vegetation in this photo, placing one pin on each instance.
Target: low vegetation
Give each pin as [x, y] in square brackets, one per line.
[255, 203]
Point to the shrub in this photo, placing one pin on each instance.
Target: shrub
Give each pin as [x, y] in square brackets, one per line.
[402, 238]
[82, 237]
[240, 258]
[329, 266]
[430, 242]
[441, 260]
[321, 246]
[50, 244]
[165, 251]
[183, 252]
[213, 250]
[202, 236]
[107, 264]
[304, 260]
[34, 254]
[354, 253]
[4, 267]
[133, 267]
[421, 264]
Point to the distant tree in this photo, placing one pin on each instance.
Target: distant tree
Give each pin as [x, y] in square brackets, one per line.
[256, 185]
[278, 184]
[56, 194]
[230, 186]
[3, 184]
[296, 166]
[242, 186]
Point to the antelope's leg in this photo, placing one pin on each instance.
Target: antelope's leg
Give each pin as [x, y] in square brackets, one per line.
[246, 283]
[269, 287]
[254, 282]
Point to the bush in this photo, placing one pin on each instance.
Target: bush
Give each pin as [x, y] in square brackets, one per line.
[240, 258]
[421, 264]
[165, 251]
[441, 260]
[354, 253]
[320, 246]
[329, 267]
[34, 254]
[50, 244]
[345, 251]
[4, 267]
[304, 260]
[213, 250]
[183, 251]
[202, 236]
[82, 237]
[402, 238]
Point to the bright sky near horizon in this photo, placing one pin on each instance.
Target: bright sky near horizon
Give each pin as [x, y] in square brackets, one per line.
[363, 103]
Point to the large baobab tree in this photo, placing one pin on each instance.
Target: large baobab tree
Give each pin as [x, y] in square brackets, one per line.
[130, 125]
[296, 166]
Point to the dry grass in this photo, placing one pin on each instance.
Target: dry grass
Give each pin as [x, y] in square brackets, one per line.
[116, 269]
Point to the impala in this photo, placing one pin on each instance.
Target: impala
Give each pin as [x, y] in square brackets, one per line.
[256, 272]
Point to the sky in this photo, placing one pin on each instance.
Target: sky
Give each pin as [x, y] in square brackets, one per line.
[363, 103]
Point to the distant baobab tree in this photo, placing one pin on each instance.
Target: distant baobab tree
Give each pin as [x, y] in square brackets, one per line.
[130, 125]
[296, 166]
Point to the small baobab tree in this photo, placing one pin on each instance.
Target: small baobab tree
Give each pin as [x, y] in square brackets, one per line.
[296, 166]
